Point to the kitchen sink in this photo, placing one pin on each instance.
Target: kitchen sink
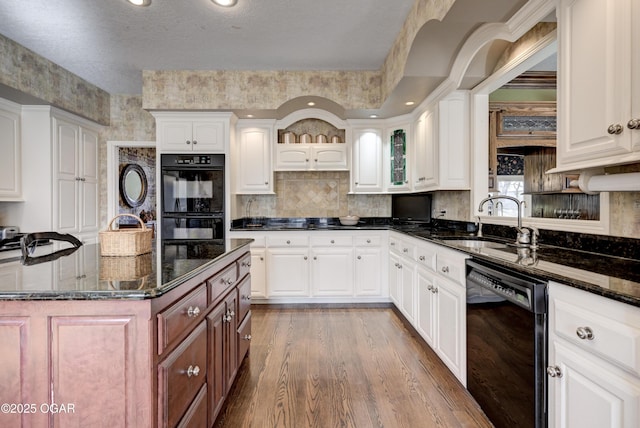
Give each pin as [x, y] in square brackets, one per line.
[475, 243]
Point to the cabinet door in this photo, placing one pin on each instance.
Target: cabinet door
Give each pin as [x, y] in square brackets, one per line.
[332, 272]
[67, 177]
[367, 161]
[258, 273]
[594, 80]
[426, 306]
[10, 158]
[399, 157]
[216, 375]
[254, 174]
[452, 138]
[175, 135]
[88, 173]
[208, 136]
[407, 284]
[288, 273]
[425, 151]
[231, 339]
[395, 279]
[15, 362]
[588, 394]
[292, 157]
[331, 157]
[368, 266]
[451, 326]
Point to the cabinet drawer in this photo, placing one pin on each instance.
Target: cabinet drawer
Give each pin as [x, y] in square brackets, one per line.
[451, 264]
[395, 244]
[332, 241]
[244, 265]
[220, 283]
[407, 249]
[244, 297]
[175, 320]
[288, 241]
[244, 337]
[426, 255]
[609, 329]
[181, 376]
[367, 241]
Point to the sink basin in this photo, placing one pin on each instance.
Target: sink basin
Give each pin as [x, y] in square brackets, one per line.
[475, 243]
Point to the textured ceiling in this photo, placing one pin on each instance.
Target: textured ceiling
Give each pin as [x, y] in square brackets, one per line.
[109, 42]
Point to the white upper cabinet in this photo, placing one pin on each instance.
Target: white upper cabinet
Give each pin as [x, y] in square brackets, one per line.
[10, 152]
[366, 168]
[441, 148]
[252, 158]
[599, 83]
[397, 151]
[312, 157]
[188, 132]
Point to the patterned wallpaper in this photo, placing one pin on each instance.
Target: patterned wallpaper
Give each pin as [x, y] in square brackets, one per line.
[32, 74]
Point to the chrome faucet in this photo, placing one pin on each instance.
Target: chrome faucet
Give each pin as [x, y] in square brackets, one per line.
[523, 239]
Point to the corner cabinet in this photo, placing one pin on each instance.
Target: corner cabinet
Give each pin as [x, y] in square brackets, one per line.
[178, 132]
[10, 152]
[594, 370]
[251, 156]
[599, 83]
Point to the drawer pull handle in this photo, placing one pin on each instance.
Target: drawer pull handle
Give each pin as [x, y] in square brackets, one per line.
[247, 337]
[229, 281]
[429, 287]
[193, 371]
[247, 264]
[615, 129]
[247, 297]
[405, 250]
[445, 269]
[422, 258]
[434, 290]
[585, 333]
[554, 371]
[193, 312]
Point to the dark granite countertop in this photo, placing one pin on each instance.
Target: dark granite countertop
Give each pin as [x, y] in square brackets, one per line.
[607, 266]
[85, 275]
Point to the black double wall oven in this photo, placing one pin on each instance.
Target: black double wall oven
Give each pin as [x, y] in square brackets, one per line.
[193, 189]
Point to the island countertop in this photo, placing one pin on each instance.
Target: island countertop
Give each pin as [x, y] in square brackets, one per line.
[85, 275]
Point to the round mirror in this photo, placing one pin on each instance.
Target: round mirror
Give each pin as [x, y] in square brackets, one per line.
[133, 185]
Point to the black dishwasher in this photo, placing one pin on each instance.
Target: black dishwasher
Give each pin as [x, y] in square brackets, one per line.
[507, 345]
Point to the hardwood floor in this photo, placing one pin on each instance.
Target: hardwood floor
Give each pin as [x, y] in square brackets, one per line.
[343, 368]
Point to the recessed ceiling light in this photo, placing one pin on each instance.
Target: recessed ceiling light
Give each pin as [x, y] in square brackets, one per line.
[249, 115]
[225, 3]
[409, 103]
[311, 103]
[140, 2]
[373, 116]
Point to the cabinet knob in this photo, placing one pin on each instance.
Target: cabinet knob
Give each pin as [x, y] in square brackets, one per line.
[231, 314]
[266, 182]
[633, 124]
[333, 242]
[188, 142]
[193, 371]
[247, 297]
[421, 258]
[585, 333]
[228, 281]
[429, 287]
[359, 257]
[288, 242]
[445, 269]
[306, 160]
[247, 337]
[195, 142]
[356, 183]
[405, 250]
[193, 311]
[315, 160]
[305, 257]
[554, 371]
[615, 129]
[261, 258]
[368, 241]
[315, 258]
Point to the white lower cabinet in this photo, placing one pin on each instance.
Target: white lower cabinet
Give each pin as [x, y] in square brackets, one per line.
[594, 368]
[427, 285]
[307, 265]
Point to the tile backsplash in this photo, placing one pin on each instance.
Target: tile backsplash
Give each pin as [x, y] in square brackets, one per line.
[313, 194]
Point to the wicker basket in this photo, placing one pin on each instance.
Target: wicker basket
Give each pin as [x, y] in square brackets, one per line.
[127, 268]
[125, 242]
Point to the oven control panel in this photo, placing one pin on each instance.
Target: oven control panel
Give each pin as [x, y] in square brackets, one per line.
[193, 160]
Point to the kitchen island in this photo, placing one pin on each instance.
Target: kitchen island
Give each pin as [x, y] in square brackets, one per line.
[153, 340]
